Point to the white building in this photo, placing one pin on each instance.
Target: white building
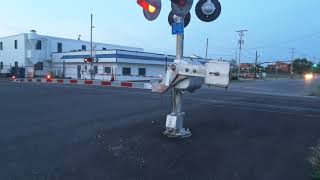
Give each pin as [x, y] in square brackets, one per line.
[37, 55]
[122, 65]
[27, 49]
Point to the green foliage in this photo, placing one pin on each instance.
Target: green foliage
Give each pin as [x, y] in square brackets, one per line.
[302, 66]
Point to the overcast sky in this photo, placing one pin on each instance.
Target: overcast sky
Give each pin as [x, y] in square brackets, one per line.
[274, 26]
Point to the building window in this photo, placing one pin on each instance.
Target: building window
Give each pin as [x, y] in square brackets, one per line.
[142, 71]
[38, 45]
[1, 46]
[95, 68]
[104, 49]
[15, 44]
[107, 70]
[59, 47]
[126, 71]
[38, 66]
[84, 47]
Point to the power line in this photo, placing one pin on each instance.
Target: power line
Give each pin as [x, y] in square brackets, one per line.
[292, 59]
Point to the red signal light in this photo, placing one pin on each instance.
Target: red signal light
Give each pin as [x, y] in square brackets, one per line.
[88, 60]
[146, 6]
[13, 77]
[48, 76]
[180, 3]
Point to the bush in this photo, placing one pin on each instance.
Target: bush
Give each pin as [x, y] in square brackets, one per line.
[315, 162]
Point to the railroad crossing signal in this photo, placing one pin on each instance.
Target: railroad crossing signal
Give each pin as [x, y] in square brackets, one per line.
[184, 75]
[151, 8]
[88, 60]
[181, 7]
[208, 10]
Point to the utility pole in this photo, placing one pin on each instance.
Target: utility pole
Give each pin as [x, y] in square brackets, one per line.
[277, 69]
[255, 65]
[91, 48]
[240, 42]
[314, 62]
[207, 46]
[166, 63]
[63, 69]
[292, 60]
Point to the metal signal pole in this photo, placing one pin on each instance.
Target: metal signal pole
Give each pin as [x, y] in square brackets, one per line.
[241, 42]
[177, 94]
[180, 42]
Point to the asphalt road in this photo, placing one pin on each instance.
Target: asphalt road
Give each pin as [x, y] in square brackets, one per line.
[52, 132]
[286, 87]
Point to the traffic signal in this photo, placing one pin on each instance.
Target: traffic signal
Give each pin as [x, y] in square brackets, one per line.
[181, 7]
[1, 65]
[315, 65]
[180, 2]
[151, 8]
[48, 76]
[208, 10]
[88, 60]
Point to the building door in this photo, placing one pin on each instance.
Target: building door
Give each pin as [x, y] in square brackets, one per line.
[22, 73]
[79, 71]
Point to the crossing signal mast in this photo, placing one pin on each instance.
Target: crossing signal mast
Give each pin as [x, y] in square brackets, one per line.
[185, 75]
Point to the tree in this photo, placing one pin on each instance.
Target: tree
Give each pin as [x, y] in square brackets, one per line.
[302, 66]
[316, 69]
